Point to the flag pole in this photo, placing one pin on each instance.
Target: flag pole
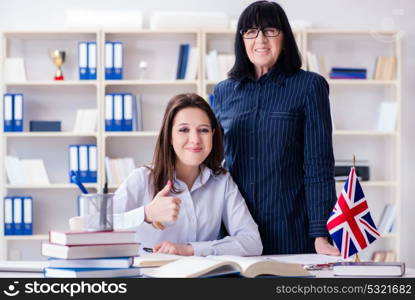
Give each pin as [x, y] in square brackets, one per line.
[356, 257]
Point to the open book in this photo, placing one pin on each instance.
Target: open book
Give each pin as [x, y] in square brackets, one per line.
[210, 266]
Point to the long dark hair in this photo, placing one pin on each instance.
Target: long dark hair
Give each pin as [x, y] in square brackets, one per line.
[164, 159]
[264, 14]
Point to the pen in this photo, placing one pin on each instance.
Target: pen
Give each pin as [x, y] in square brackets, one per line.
[316, 267]
[149, 250]
[104, 204]
[75, 180]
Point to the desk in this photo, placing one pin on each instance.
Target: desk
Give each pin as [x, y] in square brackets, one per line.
[309, 258]
[409, 273]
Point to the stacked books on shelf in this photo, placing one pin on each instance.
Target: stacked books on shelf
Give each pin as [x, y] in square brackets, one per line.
[384, 256]
[86, 121]
[114, 60]
[13, 112]
[218, 65]
[84, 254]
[26, 171]
[316, 64]
[387, 219]
[87, 58]
[118, 169]
[123, 112]
[187, 63]
[342, 170]
[385, 68]
[83, 161]
[18, 215]
[348, 73]
[44, 126]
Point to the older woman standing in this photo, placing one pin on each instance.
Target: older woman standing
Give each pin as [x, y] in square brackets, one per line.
[278, 134]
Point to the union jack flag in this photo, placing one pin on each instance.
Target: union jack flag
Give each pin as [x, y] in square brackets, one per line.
[350, 223]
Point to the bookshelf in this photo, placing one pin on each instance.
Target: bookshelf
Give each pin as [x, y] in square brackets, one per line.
[45, 99]
[355, 130]
[55, 203]
[58, 100]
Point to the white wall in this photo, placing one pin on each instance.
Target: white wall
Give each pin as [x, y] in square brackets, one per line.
[351, 14]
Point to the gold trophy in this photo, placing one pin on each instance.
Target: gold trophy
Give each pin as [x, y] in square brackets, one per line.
[58, 58]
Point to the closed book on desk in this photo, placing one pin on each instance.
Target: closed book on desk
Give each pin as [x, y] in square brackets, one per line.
[22, 266]
[369, 269]
[106, 263]
[89, 251]
[92, 273]
[211, 266]
[91, 238]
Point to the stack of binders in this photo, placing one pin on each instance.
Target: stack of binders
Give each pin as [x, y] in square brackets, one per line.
[82, 254]
[13, 112]
[87, 57]
[348, 73]
[18, 215]
[122, 112]
[83, 161]
[114, 60]
[187, 62]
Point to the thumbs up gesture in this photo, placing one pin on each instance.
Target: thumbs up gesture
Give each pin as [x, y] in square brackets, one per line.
[162, 208]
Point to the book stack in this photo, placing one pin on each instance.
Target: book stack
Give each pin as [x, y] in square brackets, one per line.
[218, 65]
[123, 112]
[316, 64]
[26, 171]
[118, 169]
[342, 170]
[387, 220]
[13, 112]
[87, 57]
[83, 254]
[18, 214]
[83, 161]
[187, 62]
[385, 68]
[86, 121]
[369, 269]
[348, 73]
[384, 256]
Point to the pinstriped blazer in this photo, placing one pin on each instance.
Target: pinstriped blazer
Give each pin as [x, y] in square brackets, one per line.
[278, 148]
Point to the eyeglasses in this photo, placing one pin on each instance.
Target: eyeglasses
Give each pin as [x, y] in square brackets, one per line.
[252, 33]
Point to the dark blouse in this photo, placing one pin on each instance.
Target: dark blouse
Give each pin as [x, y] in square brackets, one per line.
[278, 148]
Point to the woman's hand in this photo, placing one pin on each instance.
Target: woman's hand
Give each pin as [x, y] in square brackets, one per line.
[162, 208]
[323, 246]
[173, 248]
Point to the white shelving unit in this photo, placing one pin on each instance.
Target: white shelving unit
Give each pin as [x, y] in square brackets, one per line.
[355, 104]
[46, 99]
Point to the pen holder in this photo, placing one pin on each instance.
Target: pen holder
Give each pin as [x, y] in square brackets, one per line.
[97, 211]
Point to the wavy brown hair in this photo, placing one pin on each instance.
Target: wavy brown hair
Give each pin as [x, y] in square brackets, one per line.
[164, 159]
